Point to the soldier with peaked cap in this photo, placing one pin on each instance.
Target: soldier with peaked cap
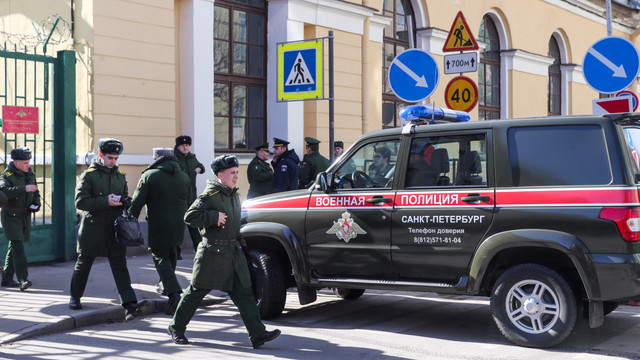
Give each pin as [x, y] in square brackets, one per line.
[18, 182]
[192, 167]
[285, 167]
[259, 172]
[164, 189]
[220, 262]
[312, 163]
[100, 194]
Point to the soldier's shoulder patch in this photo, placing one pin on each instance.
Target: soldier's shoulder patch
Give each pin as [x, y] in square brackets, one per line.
[122, 172]
[198, 203]
[91, 170]
[283, 168]
[8, 173]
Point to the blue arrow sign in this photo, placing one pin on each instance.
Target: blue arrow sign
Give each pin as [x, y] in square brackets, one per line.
[611, 64]
[413, 75]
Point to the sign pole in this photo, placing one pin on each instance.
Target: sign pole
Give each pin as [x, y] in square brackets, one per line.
[331, 98]
[608, 17]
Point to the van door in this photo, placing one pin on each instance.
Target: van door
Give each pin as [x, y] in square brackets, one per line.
[444, 207]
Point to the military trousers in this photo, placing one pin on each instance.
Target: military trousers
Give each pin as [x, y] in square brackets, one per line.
[242, 297]
[119, 270]
[166, 261]
[15, 262]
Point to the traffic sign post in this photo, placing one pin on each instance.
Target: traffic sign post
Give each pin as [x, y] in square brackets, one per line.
[461, 94]
[461, 63]
[413, 75]
[611, 64]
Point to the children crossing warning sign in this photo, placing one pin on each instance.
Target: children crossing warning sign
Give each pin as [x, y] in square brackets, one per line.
[460, 37]
[300, 70]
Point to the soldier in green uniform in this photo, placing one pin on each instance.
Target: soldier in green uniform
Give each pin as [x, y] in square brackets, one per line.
[164, 188]
[192, 167]
[220, 262]
[312, 163]
[18, 182]
[100, 194]
[259, 172]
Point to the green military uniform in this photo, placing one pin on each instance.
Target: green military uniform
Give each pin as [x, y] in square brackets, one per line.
[16, 218]
[219, 262]
[189, 164]
[259, 174]
[96, 236]
[164, 188]
[311, 164]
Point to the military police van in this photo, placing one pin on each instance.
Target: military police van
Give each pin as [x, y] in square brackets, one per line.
[542, 215]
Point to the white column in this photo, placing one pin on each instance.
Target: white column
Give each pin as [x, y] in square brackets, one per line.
[285, 119]
[196, 79]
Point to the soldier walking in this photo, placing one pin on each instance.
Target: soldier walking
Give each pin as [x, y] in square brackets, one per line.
[18, 182]
[312, 163]
[164, 188]
[192, 167]
[220, 262]
[259, 172]
[285, 167]
[101, 190]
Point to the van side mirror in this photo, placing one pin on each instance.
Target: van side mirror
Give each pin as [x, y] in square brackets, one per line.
[321, 182]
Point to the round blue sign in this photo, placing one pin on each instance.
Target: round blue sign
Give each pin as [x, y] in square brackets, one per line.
[413, 75]
[611, 64]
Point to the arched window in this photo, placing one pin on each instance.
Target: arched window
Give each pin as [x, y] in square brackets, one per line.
[396, 40]
[554, 91]
[489, 71]
[240, 62]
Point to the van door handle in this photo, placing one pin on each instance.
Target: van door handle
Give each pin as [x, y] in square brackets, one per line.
[475, 198]
[378, 199]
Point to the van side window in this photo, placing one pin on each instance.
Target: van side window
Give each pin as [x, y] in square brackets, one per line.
[555, 155]
[447, 161]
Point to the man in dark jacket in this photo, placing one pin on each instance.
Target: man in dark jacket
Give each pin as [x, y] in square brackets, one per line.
[312, 163]
[164, 188]
[18, 182]
[192, 167]
[285, 167]
[259, 172]
[101, 190]
[220, 262]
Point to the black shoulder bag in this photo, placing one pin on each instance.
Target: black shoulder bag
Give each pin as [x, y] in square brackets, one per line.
[128, 231]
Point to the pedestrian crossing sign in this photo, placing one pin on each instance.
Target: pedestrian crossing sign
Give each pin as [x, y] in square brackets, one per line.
[300, 70]
[460, 37]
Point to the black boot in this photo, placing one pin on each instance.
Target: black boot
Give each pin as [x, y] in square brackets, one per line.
[9, 283]
[25, 284]
[74, 303]
[266, 336]
[177, 337]
[135, 309]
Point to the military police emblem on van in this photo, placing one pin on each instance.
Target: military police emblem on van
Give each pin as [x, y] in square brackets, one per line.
[345, 228]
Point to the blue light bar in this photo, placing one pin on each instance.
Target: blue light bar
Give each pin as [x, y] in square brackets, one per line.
[430, 114]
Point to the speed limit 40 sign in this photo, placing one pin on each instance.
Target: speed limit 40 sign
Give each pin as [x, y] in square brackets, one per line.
[461, 94]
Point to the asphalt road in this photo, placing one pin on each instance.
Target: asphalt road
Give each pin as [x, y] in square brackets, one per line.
[379, 325]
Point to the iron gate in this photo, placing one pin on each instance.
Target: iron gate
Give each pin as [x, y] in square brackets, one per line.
[45, 86]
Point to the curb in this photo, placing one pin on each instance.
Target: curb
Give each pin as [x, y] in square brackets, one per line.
[113, 313]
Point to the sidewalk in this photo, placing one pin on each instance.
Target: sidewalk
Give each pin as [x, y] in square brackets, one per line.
[44, 308]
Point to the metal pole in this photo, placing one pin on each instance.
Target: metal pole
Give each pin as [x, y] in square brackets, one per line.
[331, 99]
[608, 17]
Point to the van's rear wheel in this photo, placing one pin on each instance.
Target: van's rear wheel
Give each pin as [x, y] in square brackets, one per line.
[267, 279]
[534, 306]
